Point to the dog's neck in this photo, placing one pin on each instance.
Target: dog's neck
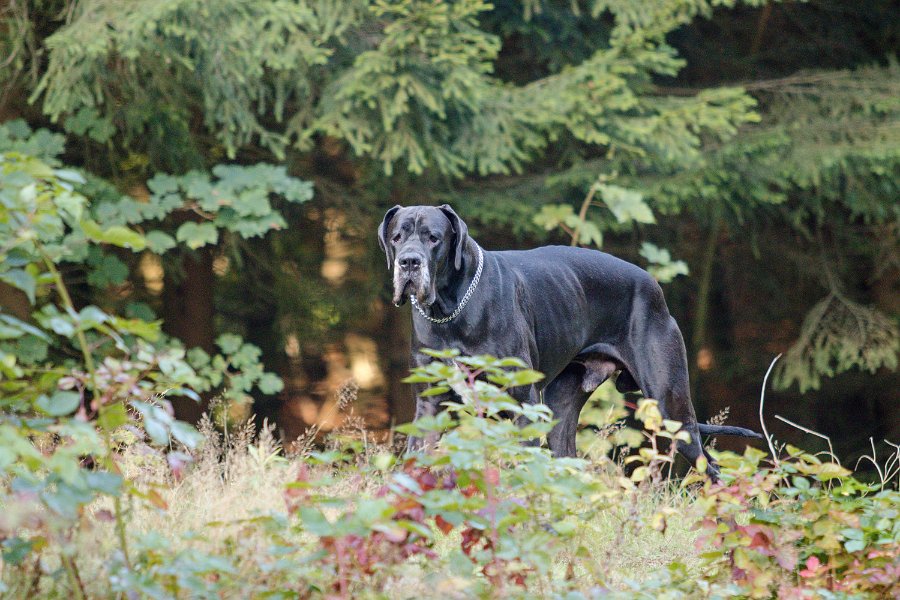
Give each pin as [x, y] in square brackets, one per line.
[451, 284]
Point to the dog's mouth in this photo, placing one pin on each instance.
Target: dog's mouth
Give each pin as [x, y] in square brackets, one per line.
[409, 288]
[404, 287]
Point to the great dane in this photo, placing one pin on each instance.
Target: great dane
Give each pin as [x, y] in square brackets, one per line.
[576, 315]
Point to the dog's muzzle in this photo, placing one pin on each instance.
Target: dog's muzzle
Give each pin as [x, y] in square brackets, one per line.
[411, 277]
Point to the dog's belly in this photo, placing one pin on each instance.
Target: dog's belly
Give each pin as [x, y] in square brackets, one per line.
[576, 299]
[548, 306]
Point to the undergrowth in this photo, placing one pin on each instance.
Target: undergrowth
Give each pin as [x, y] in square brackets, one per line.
[483, 515]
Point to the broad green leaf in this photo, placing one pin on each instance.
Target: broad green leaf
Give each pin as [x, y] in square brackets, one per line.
[435, 391]
[112, 416]
[197, 235]
[117, 235]
[270, 383]
[104, 482]
[58, 404]
[159, 242]
[551, 215]
[626, 205]
[21, 279]
[229, 343]
[148, 330]
[13, 322]
[186, 434]
[62, 325]
[314, 521]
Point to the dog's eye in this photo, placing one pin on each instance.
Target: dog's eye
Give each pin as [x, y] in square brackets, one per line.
[433, 239]
[396, 238]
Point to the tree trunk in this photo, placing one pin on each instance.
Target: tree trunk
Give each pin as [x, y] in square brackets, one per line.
[701, 316]
[188, 310]
[394, 348]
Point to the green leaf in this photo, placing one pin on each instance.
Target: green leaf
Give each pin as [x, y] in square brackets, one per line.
[59, 404]
[314, 521]
[16, 549]
[148, 330]
[112, 416]
[23, 327]
[92, 316]
[186, 434]
[589, 233]
[62, 326]
[21, 279]
[159, 242]
[117, 235]
[106, 269]
[662, 267]
[565, 527]
[229, 343]
[104, 482]
[626, 205]
[270, 383]
[156, 430]
[197, 235]
[551, 215]
[435, 391]
[525, 377]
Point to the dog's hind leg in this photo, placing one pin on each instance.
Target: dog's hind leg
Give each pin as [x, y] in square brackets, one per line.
[566, 396]
[662, 374]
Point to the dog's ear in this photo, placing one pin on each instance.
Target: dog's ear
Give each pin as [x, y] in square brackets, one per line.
[383, 230]
[461, 231]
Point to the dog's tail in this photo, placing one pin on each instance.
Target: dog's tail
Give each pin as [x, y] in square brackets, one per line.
[728, 430]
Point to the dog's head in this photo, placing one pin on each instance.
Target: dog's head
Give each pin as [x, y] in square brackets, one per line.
[422, 243]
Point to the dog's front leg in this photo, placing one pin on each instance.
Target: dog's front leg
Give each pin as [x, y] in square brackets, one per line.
[527, 394]
[425, 407]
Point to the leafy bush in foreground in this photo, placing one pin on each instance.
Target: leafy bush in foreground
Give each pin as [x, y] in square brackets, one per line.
[482, 515]
[75, 379]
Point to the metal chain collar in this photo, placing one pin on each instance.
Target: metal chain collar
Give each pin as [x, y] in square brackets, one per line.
[465, 298]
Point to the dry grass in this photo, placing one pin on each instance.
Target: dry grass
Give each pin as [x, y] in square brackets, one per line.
[241, 475]
[238, 479]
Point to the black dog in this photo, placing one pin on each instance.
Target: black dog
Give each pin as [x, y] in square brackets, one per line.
[576, 315]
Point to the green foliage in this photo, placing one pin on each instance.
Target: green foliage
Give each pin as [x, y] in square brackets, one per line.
[548, 94]
[234, 199]
[662, 267]
[482, 513]
[60, 414]
[803, 526]
[560, 91]
[233, 60]
[17, 136]
[837, 335]
[416, 89]
[430, 66]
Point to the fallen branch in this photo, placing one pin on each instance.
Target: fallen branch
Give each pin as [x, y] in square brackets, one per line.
[762, 401]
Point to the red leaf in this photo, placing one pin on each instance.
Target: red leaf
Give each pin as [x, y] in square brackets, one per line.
[812, 565]
[492, 476]
[443, 525]
[156, 500]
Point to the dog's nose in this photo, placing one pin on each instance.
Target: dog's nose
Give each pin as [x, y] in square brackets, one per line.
[410, 263]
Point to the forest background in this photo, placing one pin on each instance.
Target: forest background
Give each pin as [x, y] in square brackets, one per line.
[747, 153]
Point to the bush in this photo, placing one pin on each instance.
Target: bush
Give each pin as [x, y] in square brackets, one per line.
[484, 514]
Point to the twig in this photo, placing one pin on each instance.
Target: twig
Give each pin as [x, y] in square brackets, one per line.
[582, 214]
[762, 401]
[812, 432]
[874, 460]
